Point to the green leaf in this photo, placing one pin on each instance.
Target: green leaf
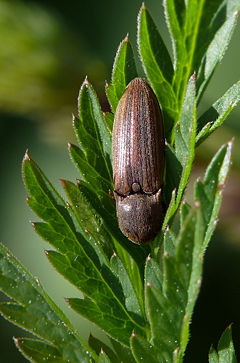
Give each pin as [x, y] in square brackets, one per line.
[190, 276]
[225, 352]
[31, 311]
[157, 66]
[171, 294]
[78, 261]
[209, 192]
[173, 172]
[153, 273]
[174, 16]
[213, 356]
[215, 53]
[103, 358]
[184, 211]
[144, 351]
[217, 113]
[133, 298]
[38, 350]
[185, 133]
[123, 352]
[109, 117]
[90, 223]
[107, 318]
[97, 345]
[89, 145]
[94, 123]
[87, 172]
[124, 70]
[200, 32]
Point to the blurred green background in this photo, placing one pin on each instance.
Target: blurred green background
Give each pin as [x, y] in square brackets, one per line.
[47, 48]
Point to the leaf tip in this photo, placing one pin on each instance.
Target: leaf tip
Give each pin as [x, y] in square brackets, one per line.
[46, 253]
[193, 77]
[38, 281]
[126, 39]
[143, 7]
[16, 341]
[114, 254]
[67, 300]
[26, 156]
[149, 258]
[175, 352]
[79, 181]
[86, 82]
[63, 181]
[133, 335]
[69, 205]
[69, 146]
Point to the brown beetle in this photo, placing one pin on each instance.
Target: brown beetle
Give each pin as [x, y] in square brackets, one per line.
[138, 162]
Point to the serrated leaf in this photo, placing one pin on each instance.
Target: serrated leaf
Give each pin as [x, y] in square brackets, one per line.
[90, 146]
[144, 351]
[79, 263]
[89, 221]
[184, 211]
[133, 298]
[196, 28]
[87, 172]
[169, 242]
[123, 352]
[215, 53]
[213, 356]
[103, 358]
[190, 276]
[115, 324]
[124, 70]
[50, 207]
[173, 172]
[153, 274]
[217, 113]
[106, 308]
[225, 352]
[185, 133]
[170, 300]
[174, 16]
[39, 351]
[209, 192]
[97, 345]
[31, 311]
[109, 118]
[157, 66]
[91, 116]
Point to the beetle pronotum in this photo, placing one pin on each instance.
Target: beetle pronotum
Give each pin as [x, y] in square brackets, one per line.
[138, 162]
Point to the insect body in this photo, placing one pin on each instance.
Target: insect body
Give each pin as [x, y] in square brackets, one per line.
[138, 162]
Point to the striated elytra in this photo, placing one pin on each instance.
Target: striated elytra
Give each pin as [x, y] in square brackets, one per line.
[138, 162]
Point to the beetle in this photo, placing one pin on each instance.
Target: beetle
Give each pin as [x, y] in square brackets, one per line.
[138, 162]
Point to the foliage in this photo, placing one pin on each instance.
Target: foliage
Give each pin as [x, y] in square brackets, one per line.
[142, 297]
